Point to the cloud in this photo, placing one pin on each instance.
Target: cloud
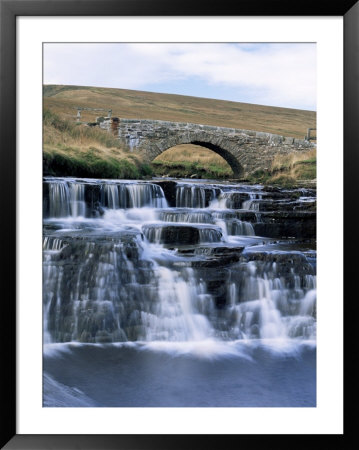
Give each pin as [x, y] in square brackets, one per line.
[275, 74]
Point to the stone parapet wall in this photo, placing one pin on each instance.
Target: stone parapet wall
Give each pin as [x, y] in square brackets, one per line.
[245, 150]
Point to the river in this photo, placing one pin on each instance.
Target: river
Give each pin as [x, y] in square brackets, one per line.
[178, 293]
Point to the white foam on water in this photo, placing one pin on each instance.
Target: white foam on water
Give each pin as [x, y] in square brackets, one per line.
[55, 349]
[181, 316]
[204, 349]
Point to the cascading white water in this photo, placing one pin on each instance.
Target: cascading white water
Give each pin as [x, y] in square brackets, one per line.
[110, 279]
[112, 196]
[190, 197]
[194, 196]
[77, 200]
[51, 243]
[174, 310]
[176, 316]
[149, 305]
[145, 195]
[59, 199]
[68, 197]
[210, 235]
[238, 227]
[153, 234]
[272, 309]
[186, 216]
[133, 195]
[234, 200]
[251, 203]
[52, 278]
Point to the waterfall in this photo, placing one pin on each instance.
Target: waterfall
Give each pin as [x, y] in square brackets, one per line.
[65, 198]
[186, 216]
[272, 306]
[237, 227]
[112, 196]
[130, 268]
[141, 195]
[77, 200]
[210, 235]
[59, 199]
[154, 234]
[194, 196]
[234, 200]
[113, 305]
[176, 316]
[52, 244]
[132, 195]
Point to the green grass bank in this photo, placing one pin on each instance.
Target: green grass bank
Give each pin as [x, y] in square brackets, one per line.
[71, 149]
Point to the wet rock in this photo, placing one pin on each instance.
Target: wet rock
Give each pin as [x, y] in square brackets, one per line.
[215, 278]
[218, 250]
[104, 286]
[287, 224]
[179, 235]
[234, 200]
[93, 197]
[100, 267]
[195, 196]
[225, 215]
[174, 235]
[45, 200]
[169, 189]
[282, 205]
[211, 194]
[247, 216]
[186, 215]
[97, 210]
[103, 337]
[276, 193]
[280, 264]
[209, 256]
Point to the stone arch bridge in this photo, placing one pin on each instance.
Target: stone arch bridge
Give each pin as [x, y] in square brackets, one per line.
[245, 151]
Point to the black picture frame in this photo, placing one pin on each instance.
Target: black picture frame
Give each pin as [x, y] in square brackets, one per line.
[9, 10]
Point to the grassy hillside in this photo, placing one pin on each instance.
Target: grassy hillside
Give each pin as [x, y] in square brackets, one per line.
[178, 108]
[73, 149]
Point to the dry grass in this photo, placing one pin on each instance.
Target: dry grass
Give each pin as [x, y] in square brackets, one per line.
[178, 108]
[64, 136]
[186, 160]
[56, 141]
[290, 170]
[192, 153]
[289, 162]
[78, 150]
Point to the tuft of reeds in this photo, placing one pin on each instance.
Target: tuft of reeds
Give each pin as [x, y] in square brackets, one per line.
[289, 170]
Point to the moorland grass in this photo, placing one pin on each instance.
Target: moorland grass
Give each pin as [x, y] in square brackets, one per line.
[76, 150]
[63, 100]
[73, 148]
[289, 170]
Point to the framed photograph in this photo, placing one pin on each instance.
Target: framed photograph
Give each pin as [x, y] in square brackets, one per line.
[174, 180]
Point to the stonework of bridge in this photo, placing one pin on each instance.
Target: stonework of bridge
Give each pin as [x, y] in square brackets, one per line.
[245, 151]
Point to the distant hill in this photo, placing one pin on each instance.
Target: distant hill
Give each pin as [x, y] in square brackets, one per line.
[62, 100]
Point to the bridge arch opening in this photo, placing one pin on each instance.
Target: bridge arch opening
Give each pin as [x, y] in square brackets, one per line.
[199, 157]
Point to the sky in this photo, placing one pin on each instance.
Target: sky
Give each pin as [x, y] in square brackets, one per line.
[266, 74]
